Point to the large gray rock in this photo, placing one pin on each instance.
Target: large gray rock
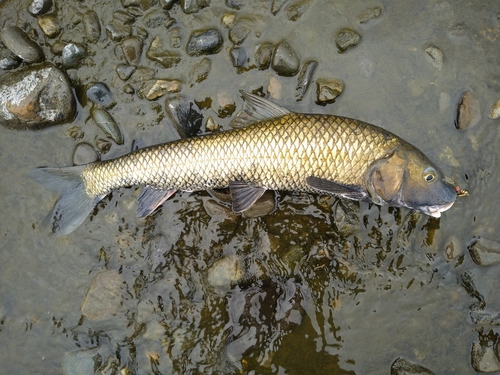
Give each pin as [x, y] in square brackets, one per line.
[20, 44]
[36, 97]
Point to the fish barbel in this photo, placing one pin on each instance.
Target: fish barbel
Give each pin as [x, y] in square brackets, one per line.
[271, 149]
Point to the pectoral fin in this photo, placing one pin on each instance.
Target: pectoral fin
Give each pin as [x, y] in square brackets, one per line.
[244, 195]
[150, 199]
[255, 109]
[330, 187]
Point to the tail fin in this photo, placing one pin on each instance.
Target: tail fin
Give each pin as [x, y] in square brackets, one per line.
[74, 205]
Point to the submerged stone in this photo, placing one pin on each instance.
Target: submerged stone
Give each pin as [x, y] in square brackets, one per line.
[264, 55]
[199, 72]
[468, 112]
[346, 38]
[285, 61]
[485, 252]
[36, 97]
[50, 25]
[305, 78]
[108, 125]
[297, 9]
[370, 14]
[240, 30]
[132, 49]
[403, 367]
[495, 110]
[85, 361]
[327, 90]
[99, 93]
[72, 55]
[156, 88]
[157, 52]
[20, 44]
[39, 7]
[84, 153]
[204, 42]
[185, 115]
[91, 26]
[225, 272]
[434, 56]
[483, 357]
[104, 296]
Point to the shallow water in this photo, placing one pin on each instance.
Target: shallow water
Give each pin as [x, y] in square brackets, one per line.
[321, 293]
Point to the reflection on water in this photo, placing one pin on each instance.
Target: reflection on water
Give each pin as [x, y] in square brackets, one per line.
[317, 286]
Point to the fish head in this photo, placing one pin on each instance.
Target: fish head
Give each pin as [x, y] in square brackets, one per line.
[407, 178]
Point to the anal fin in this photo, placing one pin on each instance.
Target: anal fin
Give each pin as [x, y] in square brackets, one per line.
[244, 195]
[150, 199]
[331, 187]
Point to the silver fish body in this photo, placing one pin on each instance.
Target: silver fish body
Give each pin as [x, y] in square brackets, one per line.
[278, 150]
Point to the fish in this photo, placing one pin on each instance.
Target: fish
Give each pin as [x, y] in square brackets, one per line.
[270, 148]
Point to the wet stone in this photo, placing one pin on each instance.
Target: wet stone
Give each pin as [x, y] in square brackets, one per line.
[200, 71]
[204, 42]
[39, 7]
[157, 88]
[225, 272]
[240, 30]
[117, 31]
[132, 49]
[142, 4]
[168, 4]
[485, 252]
[274, 88]
[483, 357]
[239, 57]
[123, 17]
[285, 61]
[156, 18]
[479, 316]
[20, 44]
[104, 296]
[7, 59]
[81, 362]
[36, 97]
[217, 210]
[157, 52]
[495, 110]
[125, 71]
[103, 145]
[434, 56]
[403, 367]
[471, 289]
[235, 4]
[297, 9]
[346, 38]
[185, 115]
[174, 37]
[263, 206]
[72, 55]
[91, 26]
[468, 112]
[158, 247]
[108, 125]
[304, 78]
[327, 90]
[228, 19]
[84, 153]
[369, 14]
[128, 89]
[211, 125]
[193, 6]
[98, 93]
[264, 55]
[277, 5]
[50, 25]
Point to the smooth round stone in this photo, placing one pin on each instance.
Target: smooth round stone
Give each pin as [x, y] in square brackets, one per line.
[132, 49]
[72, 55]
[7, 59]
[264, 55]
[20, 44]
[204, 42]
[39, 7]
[50, 25]
[346, 38]
[36, 97]
[125, 71]
[285, 61]
[84, 153]
[91, 26]
[98, 93]
[239, 57]
[240, 30]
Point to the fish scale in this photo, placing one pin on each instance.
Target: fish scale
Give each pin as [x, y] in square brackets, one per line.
[277, 154]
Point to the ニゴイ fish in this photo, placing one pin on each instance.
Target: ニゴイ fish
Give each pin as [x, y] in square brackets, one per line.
[271, 149]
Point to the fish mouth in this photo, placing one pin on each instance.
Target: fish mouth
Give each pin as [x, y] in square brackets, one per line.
[435, 211]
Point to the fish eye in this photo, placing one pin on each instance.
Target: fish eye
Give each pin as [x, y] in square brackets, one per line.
[429, 174]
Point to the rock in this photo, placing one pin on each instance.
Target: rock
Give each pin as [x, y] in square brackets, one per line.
[128, 89]
[125, 71]
[239, 58]
[276, 6]
[175, 37]
[72, 55]
[485, 252]
[81, 362]
[403, 367]
[91, 26]
[478, 316]
[217, 210]
[240, 30]
[285, 61]
[227, 20]
[453, 249]
[156, 18]
[468, 112]
[225, 272]
[142, 4]
[185, 115]
[105, 295]
[483, 358]
[123, 17]
[168, 4]
[157, 52]
[235, 4]
[274, 88]
[98, 93]
[84, 153]
[108, 125]
[132, 49]
[346, 38]
[264, 55]
[327, 90]
[20, 44]
[263, 206]
[304, 79]
[193, 6]
[495, 110]
[157, 88]
[36, 97]
[158, 247]
[7, 59]
[369, 14]
[199, 71]
[434, 56]
[118, 31]
[297, 9]
[204, 42]
[50, 25]
[103, 145]
[39, 7]
[211, 125]
[347, 217]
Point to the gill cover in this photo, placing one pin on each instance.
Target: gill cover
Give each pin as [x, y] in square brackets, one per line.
[385, 178]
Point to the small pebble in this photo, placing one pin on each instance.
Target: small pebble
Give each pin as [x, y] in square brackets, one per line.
[157, 52]
[185, 115]
[468, 112]
[346, 38]
[495, 110]
[156, 18]
[91, 26]
[285, 61]
[204, 42]
[369, 14]
[157, 88]
[211, 125]
[106, 122]
[274, 88]
[264, 55]
[239, 58]
[227, 20]
[485, 252]
[132, 49]
[84, 153]
[240, 30]
[50, 25]
[98, 93]
[434, 56]
[235, 4]
[105, 295]
[102, 145]
[199, 72]
[327, 90]
[225, 271]
[39, 7]
[483, 358]
[304, 78]
[217, 210]
[403, 367]
[297, 9]
[263, 206]
[117, 31]
[125, 71]
[72, 55]
[158, 247]
[277, 5]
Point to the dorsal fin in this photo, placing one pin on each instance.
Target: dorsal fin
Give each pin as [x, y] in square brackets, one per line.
[256, 109]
